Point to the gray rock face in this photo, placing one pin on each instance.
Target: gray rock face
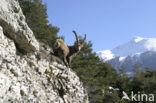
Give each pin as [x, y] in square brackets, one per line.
[36, 77]
[33, 78]
[13, 22]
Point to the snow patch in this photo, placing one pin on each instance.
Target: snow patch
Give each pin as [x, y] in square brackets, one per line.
[105, 55]
[121, 58]
[151, 44]
[137, 39]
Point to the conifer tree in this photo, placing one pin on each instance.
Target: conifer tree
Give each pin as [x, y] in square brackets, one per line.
[36, 17]
[94, 73]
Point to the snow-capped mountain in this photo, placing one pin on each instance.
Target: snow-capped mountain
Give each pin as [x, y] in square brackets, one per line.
[138, 52]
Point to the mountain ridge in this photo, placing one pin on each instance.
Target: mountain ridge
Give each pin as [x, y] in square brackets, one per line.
[136, 51]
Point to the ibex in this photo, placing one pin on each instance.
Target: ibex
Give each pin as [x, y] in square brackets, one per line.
[61, 50]
[67, 53]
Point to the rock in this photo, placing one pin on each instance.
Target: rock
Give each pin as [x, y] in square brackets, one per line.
[23, 78]
[36, 77]
[13, 22]
[22, 93]
[4, 84]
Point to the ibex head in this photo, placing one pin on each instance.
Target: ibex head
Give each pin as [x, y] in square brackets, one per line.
[77, 44]
[58, 43]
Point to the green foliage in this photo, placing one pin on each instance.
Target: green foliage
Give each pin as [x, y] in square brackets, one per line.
[145, 81]
[95, 74]
[49, 72]
[36, 17]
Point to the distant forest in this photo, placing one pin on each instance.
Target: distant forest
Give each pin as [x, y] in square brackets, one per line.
[97, 77]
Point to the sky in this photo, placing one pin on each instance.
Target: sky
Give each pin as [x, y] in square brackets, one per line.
[107, 23]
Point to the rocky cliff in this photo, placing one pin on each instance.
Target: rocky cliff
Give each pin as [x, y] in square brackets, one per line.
[34, 75]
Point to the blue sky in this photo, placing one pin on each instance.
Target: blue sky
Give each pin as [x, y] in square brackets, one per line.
[107, 23]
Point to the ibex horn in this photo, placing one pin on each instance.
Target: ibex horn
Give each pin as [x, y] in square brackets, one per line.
[76, 36]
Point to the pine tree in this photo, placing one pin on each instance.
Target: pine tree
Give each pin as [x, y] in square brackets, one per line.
[36, 17]
[95, 74]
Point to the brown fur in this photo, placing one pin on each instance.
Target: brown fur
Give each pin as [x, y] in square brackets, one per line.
[67, 53]
[61, 50]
